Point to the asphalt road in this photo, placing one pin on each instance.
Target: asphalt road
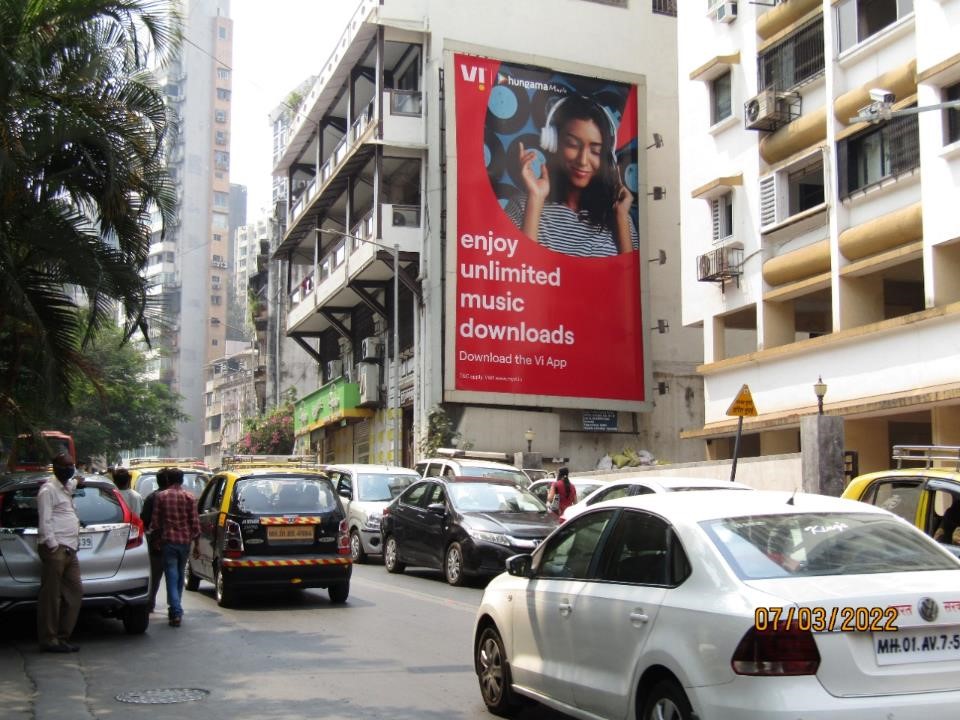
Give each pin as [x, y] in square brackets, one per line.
[400, 649]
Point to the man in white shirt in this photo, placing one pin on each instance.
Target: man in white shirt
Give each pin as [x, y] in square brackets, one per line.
[58, 538]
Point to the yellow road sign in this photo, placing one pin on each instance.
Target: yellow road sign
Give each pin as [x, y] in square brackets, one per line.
[742, 405]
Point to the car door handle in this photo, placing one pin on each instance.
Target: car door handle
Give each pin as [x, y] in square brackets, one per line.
[565, 608]
[639, 616]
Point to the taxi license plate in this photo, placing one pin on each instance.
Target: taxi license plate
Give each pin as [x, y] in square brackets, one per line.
[86, 542]
[292, 532]
[917, 645]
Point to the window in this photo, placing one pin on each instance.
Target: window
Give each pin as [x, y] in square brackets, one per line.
[721, 209]
[805, 187]
[221, 160]
[223, 94]
[951, 116]
[215, 279]
[221, 199]
[221, 221]
[220, 138]
[883, 152]
[857, 20]
[217, 237]
[572, 547]
[900, 497]
[220, 116]
[215, 299]
[214, 423]
[222, 32]
[791, 190]
[218, 260]
[721, 103]
[637, 551]
[793, 61]
[214, 342]
[223, 73]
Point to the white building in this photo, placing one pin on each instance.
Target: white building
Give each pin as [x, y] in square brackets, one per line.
[816, 244]
[376, 179]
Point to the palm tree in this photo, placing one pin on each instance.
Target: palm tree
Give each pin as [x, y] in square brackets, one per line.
[82, 131]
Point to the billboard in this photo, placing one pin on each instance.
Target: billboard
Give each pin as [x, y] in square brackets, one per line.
[546, 249]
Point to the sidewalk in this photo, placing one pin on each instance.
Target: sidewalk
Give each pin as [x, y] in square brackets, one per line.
[41, 686]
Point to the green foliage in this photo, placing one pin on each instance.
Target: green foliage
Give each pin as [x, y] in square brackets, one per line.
[269, 434]
[113, 407]
[440, 433]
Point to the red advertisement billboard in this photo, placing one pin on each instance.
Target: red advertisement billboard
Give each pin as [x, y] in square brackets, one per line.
[547, 298]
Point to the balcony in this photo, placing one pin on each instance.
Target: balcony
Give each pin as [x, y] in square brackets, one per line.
[335, 402]
[351, 260]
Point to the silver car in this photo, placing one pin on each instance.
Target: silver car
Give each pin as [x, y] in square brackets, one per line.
[365, 490]
[114, 565]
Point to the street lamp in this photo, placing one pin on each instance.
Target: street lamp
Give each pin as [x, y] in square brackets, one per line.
[395, 251]
[820, 389]
[528, 436]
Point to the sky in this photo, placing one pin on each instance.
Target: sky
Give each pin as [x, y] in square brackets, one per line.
[276, 45]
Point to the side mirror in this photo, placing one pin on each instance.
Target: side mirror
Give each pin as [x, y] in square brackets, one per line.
[344, 493]
[520, 565]
[437, 508]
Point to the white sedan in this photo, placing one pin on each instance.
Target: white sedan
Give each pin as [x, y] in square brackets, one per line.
[726, 606]
[627, 487]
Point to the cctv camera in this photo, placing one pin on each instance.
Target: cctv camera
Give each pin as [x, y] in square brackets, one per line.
[882, 96]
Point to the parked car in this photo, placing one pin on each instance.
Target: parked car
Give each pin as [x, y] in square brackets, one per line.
[364, 491]
[642, 486]
[584, 487]
[537, 474]
[461, 466]
[464, 526]
[726, 605]
[143, 474]
[114, 565]
[927, 497]
[271, 528]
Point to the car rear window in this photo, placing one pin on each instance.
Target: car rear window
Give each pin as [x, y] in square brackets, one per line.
[376, 487]
[514, 476]
[193, 483]
[285, 495]
[808, 544]
[95, 506]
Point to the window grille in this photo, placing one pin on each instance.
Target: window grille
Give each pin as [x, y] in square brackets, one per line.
[792, 62]
[662, 7]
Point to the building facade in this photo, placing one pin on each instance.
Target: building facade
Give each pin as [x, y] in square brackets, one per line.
[818, 179]
[412, 279]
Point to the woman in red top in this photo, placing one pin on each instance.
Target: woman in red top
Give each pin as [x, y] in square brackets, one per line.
[564, 489]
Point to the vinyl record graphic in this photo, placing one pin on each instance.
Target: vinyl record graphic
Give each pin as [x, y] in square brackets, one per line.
[505, 192]
[530, 142]
[540, 104]
[507, 109]
[493, 155]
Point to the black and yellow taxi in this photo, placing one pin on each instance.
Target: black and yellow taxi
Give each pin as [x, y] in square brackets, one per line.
[923, 489]
[143, 473]
[270, 524]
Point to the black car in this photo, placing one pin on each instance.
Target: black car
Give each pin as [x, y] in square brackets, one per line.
[271, 528]
[463, 525]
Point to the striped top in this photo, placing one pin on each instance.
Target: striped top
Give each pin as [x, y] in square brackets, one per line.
[569, 232]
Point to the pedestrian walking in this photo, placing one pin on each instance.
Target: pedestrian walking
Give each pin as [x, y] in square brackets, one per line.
[133, 499]
[175, 518]
[563, 491]
[58, 539]
[154, 545]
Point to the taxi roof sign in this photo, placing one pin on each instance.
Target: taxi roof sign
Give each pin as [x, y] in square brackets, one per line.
[742, 405]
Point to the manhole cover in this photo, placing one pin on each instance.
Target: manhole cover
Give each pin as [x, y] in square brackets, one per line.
[164, 696]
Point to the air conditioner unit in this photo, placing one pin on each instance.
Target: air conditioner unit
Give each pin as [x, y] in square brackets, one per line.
[763, 112]
[334, 369]
[368, 377]
[726, 11]
[371, 349]
[719, 265]
[406, 216]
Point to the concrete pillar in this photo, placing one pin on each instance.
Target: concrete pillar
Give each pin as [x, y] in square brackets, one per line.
[821, 452]
[531, 460]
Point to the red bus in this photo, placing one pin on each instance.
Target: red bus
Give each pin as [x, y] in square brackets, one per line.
[29, 454]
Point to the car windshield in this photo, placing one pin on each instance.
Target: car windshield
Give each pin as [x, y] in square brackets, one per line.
[193, 483]
[535, 475]
[492, 497]
[274, 495]
[383, 487]
[514, 476]
[95, 506]
[808, 544]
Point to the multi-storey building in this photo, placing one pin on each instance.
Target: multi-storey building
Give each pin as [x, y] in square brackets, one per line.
[192, 261]
[230, 399]
[819, 175]
[412, 279]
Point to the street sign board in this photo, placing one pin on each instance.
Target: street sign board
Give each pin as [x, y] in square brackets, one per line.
[742, 404]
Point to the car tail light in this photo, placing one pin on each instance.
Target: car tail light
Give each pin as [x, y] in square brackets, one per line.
[343, 538]
[783, 649]
[135, 538]
[232, 540]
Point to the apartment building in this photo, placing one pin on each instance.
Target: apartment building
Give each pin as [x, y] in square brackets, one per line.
[412, 280]
[818, 175]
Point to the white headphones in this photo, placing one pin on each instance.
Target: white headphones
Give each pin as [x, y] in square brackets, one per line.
[549, 137]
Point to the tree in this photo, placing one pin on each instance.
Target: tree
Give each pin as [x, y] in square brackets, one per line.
[268, 434]
[82, 131]
[114, 408]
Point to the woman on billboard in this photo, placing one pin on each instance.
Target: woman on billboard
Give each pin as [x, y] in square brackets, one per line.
[576, 202]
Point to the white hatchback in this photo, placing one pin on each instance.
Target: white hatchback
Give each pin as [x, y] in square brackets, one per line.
[726, 606]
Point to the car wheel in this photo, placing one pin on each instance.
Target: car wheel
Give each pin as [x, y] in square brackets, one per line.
[453, 564]
[356, 548]
[391, 556]
[339, 592]
[224, 593]
[192, 582]
[136, 619]
[493, 673]
[666, 701]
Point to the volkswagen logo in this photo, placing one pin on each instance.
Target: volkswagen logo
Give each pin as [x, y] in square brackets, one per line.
[928, 609]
